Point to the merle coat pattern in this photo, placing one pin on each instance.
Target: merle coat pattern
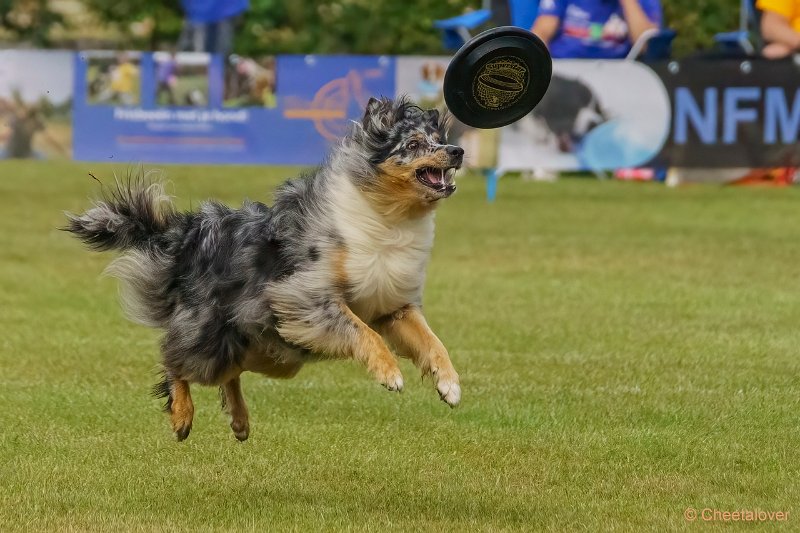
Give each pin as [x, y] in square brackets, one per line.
[334, 268]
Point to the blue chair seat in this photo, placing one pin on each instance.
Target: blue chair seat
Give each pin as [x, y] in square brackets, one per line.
[736, 41]
[659, 47]
[456, 30]
[742, 40]
[470, 20]
[731, 37]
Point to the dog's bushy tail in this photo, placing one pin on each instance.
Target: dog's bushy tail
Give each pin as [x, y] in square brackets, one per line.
[128, 215]
[136, 217]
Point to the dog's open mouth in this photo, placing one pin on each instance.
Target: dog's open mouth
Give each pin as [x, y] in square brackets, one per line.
[438, 179]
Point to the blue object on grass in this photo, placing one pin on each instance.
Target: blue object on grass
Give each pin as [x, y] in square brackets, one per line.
[491, 184]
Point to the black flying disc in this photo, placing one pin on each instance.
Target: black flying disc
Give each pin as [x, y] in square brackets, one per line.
[497, 77]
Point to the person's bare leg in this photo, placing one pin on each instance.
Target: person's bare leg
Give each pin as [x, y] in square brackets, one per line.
[776, 51]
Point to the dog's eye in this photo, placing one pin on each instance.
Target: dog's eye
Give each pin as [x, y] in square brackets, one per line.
[413, 145]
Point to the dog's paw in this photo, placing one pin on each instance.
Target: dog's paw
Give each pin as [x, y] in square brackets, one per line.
[181, 421]
[387, 373]
[182, 432]
[393, 381]
[449, 391]
[241, 430]
[447, 385]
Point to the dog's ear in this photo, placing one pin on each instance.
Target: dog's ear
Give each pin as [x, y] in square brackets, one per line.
[443, 125]
[374, 115]
[373, 106]
[411, 112]
[379, 117]
[432, 116]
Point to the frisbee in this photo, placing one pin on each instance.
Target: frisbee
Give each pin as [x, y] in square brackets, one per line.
[497, 77]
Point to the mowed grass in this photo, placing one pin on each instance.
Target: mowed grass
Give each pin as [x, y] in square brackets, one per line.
[626, 351]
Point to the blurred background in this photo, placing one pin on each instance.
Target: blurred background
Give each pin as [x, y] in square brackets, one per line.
[627, 349]
[283, 26]
[676, 91]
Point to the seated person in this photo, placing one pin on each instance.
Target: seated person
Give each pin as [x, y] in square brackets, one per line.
[596, 29]
[780, 27]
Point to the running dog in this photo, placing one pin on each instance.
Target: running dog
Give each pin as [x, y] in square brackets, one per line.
[335, 268]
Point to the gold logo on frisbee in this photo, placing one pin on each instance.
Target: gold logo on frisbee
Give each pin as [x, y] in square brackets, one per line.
[501, 83]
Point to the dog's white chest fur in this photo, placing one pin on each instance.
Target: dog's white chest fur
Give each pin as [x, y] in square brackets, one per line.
[385, 265]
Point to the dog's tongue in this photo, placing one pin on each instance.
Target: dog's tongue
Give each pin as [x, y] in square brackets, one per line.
[435, 176]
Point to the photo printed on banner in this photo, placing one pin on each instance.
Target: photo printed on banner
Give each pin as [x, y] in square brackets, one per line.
[35, 104]
[596, 115]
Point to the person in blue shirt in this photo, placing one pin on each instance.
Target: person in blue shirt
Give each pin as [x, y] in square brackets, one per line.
[595, 29]
[209, 24]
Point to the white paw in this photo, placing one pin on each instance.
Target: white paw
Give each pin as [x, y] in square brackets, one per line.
[394, 382]
[449, 391]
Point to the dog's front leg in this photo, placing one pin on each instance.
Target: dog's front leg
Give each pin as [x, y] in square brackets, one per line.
[337, 331]
[408, 331]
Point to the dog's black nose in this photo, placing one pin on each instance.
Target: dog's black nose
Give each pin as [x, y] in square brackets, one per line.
[455, 151]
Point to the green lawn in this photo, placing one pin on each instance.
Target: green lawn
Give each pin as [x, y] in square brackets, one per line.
[626, 351]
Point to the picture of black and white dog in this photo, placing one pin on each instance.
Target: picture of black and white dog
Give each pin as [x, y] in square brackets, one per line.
[335, 268]
[568, 112]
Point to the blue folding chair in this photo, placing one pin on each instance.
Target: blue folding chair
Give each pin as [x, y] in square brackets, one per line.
[653, 45]
[458, 30]
[740, 40]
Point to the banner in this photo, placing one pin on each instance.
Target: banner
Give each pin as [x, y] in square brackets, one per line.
[320, 95]
[35, 104]
[198, 108]
[703, 113]
[192, 108]
[733, 113]
[596, 115]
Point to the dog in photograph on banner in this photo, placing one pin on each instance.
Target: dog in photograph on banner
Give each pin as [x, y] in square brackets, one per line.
[567, 113]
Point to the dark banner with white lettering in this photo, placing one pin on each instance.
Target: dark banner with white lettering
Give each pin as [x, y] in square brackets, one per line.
[732, 113]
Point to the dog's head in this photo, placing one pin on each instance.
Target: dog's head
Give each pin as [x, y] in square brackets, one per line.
[412, 166]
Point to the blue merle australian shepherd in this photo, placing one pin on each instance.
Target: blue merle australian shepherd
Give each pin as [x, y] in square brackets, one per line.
[335, 268]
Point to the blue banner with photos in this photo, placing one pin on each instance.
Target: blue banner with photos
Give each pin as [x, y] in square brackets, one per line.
[199, 108]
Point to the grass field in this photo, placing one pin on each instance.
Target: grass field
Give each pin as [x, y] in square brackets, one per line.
[626, 351]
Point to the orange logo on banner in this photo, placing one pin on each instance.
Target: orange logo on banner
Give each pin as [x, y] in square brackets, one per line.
[328, 110]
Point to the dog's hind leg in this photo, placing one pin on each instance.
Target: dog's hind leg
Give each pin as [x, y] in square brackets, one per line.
[233, 402]
[179, 404]
[408, 331]
[181, 408]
